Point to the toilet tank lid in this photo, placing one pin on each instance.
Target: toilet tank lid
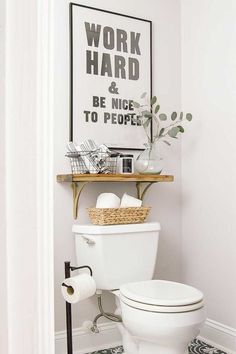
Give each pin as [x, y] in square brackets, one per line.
[114, 229]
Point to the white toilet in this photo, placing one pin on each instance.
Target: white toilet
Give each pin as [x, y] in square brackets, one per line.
[159, 317]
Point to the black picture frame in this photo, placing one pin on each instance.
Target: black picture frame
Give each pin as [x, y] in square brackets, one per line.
[71, 74]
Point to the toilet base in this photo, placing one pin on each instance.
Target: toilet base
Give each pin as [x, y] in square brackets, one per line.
[152, 348]
[186, 352]
[132, 345]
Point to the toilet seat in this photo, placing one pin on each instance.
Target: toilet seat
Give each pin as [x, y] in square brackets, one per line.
[161, 296]
[161, 309]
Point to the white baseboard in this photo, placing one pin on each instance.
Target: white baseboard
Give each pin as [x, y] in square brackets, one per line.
[219, 335]
[84, 341]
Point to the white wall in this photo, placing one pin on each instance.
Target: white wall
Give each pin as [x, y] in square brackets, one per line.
[20, 176]
[164, 198]
[3, 238]
[209, 154]
[25, 219]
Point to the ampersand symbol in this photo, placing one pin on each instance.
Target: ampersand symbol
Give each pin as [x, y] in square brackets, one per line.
[113, 88]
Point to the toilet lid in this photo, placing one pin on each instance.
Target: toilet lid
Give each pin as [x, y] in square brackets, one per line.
[161, 293]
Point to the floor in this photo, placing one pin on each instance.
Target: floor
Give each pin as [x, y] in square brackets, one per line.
[196, 347]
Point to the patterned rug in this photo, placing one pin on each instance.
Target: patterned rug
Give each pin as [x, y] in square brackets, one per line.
[196, 347]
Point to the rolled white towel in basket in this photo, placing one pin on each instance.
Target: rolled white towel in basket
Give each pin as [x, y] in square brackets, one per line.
[127, 201]
[108, 200]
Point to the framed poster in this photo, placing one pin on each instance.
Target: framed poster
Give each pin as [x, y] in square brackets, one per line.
[110, 67]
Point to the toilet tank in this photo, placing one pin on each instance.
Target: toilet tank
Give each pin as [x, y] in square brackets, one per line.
[117, 254]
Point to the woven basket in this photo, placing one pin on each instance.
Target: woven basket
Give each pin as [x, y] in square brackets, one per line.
[114, 216]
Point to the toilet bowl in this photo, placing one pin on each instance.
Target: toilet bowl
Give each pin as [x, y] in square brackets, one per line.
[159, 316]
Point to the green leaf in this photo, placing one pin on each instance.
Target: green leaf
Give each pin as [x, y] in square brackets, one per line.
[181, 115]
[174, 116]
[153, 100]
[157, 108]
[136, 104]
[161, 131]
[181, 129]
[146, 114]
[163, 116]
[166, 142]
[189, 117]
[173, 132]
[143, 94]
[146, 123]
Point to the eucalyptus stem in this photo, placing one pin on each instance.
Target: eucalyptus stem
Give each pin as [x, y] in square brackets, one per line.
[171, 125]
[150, 114]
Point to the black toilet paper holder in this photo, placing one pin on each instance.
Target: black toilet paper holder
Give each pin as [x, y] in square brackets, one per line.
[68, 270]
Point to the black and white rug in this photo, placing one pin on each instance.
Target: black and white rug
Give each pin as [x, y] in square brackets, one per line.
[196, 347]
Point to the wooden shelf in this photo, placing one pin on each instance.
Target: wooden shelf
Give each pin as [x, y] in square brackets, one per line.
[114, 178]
[143, 182]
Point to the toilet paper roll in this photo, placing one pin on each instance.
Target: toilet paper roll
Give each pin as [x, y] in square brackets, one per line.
[127, 201]
[80, 287]
[108, 200]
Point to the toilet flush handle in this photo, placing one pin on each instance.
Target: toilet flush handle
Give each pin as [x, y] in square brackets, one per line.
[89, 241]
